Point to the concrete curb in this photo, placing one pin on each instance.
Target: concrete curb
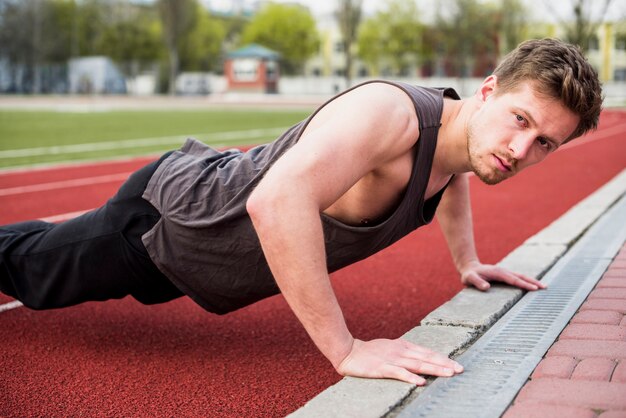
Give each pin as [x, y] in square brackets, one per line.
[457, 323]
[355, 397]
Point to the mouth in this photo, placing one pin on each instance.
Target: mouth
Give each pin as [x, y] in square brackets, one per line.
[502, 165]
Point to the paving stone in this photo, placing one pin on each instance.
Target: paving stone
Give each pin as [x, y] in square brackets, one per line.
[589, 348]
[615, 272]
[363, 398]
[540, 410]
[594, 332]
[475, 309]
[597, 317]
[619, 374]
[576, 393]
[609, 282]
[617, 293]
[594, 369]
[555, 366]
[603, 304]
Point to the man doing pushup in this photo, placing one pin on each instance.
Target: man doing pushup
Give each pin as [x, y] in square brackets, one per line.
[368, 167]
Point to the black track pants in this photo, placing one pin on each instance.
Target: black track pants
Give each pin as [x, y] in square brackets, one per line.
[94, 257]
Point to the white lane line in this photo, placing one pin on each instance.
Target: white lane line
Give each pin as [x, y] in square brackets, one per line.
[142, 142]
[86, 164]
[11, 305]
[65, 184]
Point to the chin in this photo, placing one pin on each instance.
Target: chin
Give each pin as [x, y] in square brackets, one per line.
[491, 182]
[489, 178]
[486, 173]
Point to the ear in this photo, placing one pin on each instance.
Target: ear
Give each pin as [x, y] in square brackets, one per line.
[487, 88]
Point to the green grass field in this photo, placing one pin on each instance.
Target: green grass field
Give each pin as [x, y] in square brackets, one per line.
[43, 137]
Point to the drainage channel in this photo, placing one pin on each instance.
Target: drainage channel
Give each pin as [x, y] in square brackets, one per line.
[499, 363]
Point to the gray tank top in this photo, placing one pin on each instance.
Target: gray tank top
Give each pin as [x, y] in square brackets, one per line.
[205, 242]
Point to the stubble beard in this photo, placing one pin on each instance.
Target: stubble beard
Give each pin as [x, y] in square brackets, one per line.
[482, 171]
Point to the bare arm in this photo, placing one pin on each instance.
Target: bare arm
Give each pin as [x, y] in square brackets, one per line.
[285, 209]
[455, 217]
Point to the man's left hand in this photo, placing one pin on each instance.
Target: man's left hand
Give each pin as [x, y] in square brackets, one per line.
[479, 275]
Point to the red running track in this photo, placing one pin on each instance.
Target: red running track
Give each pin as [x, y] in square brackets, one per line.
[120, 358]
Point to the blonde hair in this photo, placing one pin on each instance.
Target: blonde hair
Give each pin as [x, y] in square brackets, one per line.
[559, 70]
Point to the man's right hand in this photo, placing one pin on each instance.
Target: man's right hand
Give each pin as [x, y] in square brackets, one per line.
[396, 359]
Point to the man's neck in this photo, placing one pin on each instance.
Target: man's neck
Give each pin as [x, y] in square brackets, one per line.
[451, 155]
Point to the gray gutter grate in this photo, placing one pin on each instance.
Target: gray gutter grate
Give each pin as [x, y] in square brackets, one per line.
[499, 363]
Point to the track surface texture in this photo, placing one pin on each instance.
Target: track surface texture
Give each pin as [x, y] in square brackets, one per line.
[120, 358]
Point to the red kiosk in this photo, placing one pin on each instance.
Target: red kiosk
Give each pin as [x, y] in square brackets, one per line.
[252, 68]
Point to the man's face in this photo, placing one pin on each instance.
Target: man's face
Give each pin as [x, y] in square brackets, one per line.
[514, 130]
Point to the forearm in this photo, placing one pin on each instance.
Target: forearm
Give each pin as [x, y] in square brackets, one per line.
[455, 218]
[292, 240]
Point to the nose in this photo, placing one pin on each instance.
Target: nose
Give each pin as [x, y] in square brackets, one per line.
[520, 145]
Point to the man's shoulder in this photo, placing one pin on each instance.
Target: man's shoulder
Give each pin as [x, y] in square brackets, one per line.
[382, 99]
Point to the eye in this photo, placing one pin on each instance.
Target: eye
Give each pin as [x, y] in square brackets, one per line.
[544, 143]
[520, 119]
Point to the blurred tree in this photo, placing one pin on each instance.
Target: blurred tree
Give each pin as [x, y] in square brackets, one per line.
[393, 35]
[233, 26]
[582, 29]
[469, 37]
[132, 39]
[200, 48]
[177, 17]
[287, 29]
[30, 37]
[369, 44]
[90, 24]
[513, 24]
[348, 15]
[58, 30]
[15, 30]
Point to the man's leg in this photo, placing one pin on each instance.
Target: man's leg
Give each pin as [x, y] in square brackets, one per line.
[97, 256]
